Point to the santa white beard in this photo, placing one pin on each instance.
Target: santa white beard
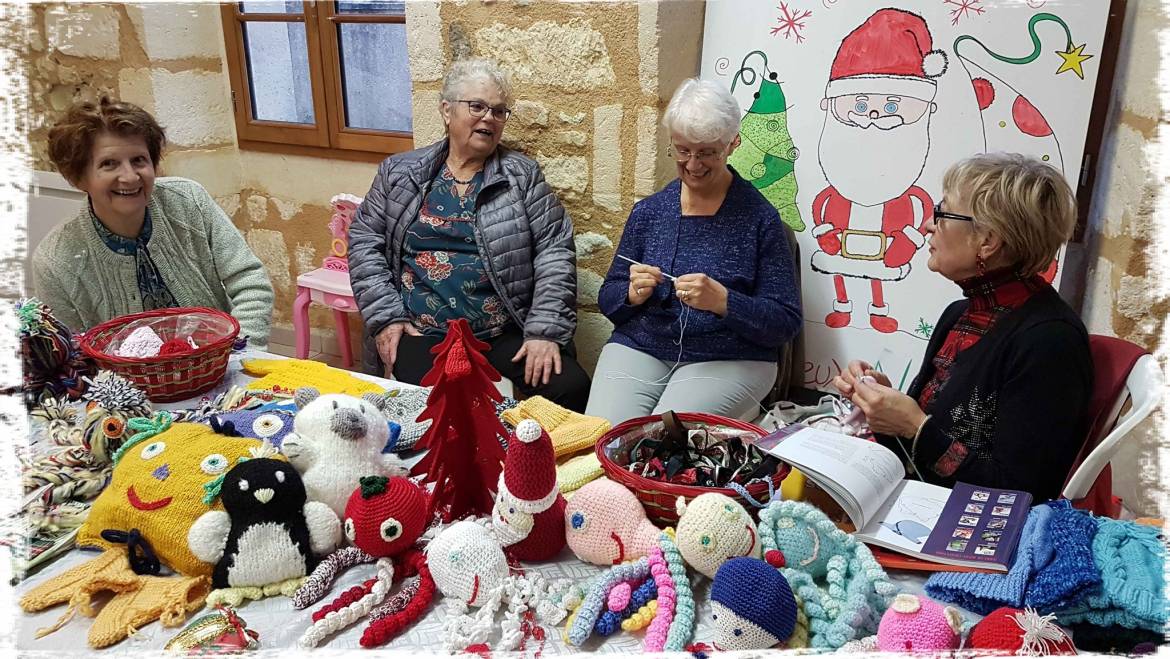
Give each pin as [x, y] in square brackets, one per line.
[870, 166]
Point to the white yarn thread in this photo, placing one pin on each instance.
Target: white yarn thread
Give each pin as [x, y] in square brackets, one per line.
[520, 593]
[335, 621]
[1041, 635]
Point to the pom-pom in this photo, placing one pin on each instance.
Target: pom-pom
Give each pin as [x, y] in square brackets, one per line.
[934, 63]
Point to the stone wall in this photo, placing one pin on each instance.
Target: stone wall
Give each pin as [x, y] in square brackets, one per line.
[591, 80]
[1124, 294]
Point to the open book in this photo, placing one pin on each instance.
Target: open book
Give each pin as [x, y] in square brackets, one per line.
[977, 527]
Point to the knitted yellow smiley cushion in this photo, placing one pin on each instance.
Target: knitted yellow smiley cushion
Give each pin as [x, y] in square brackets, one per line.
[162, 476]
[292, 374]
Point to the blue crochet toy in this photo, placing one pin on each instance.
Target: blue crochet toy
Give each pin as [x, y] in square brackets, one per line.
[271, 425]
[752, 606]
[844, 590]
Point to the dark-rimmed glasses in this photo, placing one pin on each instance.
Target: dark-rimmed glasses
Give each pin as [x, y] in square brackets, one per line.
[684, 155]
[939, 213]
[478, 109]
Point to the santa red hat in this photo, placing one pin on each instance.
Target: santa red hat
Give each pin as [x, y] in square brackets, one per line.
[890, 53]
[529, 477]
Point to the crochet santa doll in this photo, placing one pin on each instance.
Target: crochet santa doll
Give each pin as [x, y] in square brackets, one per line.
[529, 514]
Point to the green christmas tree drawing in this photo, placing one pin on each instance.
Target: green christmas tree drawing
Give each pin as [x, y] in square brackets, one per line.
[766, 156]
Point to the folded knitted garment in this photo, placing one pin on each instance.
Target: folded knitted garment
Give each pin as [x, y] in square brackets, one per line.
[570, 432]
[292, 374]
[1114, 639]
[1070, 575]
[577, 471]
[403, 405]
[984, 593]
[1132, 560]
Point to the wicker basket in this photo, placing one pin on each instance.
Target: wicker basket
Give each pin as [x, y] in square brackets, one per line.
[658, 497]
[169, 378]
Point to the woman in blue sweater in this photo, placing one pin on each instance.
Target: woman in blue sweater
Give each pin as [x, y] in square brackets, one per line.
[700, 312]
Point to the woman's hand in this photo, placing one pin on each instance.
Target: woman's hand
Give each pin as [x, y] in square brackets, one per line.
[853, 373]
[542, 359]
[387, 342]
[643, 279]
[699, 291]
[887, 410]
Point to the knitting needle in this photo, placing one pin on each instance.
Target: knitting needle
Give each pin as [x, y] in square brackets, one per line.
[626, 258]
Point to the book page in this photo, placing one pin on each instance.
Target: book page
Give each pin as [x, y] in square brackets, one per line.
[866, 470]
[908, 516]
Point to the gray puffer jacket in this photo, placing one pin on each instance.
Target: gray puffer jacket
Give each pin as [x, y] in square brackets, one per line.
[524, 235]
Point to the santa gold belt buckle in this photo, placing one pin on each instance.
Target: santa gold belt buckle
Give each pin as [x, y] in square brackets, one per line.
[866, 237]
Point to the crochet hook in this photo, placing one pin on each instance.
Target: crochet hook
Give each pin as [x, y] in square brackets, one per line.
[626, 258]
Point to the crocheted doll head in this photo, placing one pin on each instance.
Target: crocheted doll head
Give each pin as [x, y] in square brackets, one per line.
[160, 485]
[1020, 632]
[528, 511]
[914, 623]
[385, 516]
[111, 401]
[270, 425]
[712, 529]
[752, 606]
[605, 524]
[805, 539]
[467, 562]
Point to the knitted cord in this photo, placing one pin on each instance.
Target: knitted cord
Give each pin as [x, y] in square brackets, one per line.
[683, 625]
[317, 583]
[347, 597]
[346, 614]
[593, 603]
[656, 633]
[396, 603]
[144, 428]
[610, 621]
[382, 630]
[641, 618]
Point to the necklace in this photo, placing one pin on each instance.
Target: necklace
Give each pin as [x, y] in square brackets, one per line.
[457, 180]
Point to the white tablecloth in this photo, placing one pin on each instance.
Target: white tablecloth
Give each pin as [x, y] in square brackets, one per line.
[279, 625]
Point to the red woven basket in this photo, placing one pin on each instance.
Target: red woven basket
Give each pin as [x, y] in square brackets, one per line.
[168, 378]
[659, 497]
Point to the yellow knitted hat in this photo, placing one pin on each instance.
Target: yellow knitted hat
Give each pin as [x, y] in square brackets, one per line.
[570, 432]
[159, 485]
[292, 374]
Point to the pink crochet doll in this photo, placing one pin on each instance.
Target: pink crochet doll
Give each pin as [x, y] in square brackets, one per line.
[605, 524]
[914, 623]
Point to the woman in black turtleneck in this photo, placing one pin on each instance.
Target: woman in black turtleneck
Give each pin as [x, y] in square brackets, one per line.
[1001, 397]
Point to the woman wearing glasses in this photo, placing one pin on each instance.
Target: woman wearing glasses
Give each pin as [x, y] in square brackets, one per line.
[1001, 395]
[701, 291]
[466, 228]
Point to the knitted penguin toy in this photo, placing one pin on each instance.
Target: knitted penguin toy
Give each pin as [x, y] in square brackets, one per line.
[914, 623]
[529, 512]
[605, 524]
[751, 605]
[336, 440]
[712, 529]
[268, 539]
[1020, 632]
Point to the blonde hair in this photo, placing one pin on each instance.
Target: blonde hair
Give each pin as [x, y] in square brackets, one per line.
[703, 111]
[1026, 202]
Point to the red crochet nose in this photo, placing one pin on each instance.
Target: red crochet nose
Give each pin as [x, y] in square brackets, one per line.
[775, 558]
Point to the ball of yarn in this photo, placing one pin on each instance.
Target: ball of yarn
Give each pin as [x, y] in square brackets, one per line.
[175, 346]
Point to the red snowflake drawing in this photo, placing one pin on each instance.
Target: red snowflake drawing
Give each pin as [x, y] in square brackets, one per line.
[964, 8]
[791, 23]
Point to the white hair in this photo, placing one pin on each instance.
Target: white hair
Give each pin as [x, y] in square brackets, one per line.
[475, 69]
[703, 111]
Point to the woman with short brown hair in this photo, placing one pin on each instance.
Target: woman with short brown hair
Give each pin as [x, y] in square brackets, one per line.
[141, 242]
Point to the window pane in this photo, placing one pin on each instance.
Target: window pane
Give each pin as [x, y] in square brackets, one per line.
[278, 72]
[359, 7]
[375, 75]
[271, 7]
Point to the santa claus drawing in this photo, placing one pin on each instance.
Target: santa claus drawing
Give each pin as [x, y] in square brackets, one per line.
[869, 221]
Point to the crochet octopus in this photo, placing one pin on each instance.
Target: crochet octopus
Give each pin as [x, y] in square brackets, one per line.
[605, 524]
[384, 517]
[844, 590]
[471, 571]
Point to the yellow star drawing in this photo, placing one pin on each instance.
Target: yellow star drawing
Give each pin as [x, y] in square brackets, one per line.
[1073, 60]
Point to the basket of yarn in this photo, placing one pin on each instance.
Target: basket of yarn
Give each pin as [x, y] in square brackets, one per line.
[170, 354]
[659, 497]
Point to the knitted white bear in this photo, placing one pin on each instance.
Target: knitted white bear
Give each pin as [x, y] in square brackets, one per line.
[337, 439]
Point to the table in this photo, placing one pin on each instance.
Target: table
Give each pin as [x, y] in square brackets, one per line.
[279, 625]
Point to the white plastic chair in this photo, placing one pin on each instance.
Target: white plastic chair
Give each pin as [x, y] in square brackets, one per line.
[1144, 387]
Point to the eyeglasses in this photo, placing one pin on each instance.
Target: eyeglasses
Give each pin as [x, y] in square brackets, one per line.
[478, 109]
[940, 214]
[683, 155]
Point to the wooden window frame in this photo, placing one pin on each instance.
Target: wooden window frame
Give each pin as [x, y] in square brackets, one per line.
[329, 136]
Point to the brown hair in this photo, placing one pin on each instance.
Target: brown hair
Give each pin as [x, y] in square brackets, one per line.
[71, 140]
[1026, 202]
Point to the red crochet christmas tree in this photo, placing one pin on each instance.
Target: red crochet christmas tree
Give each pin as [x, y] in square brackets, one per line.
[464, 456]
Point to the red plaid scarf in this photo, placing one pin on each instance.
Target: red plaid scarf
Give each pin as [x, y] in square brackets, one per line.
[993, 296]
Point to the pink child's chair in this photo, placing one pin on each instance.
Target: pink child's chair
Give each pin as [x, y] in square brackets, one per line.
[329, 284]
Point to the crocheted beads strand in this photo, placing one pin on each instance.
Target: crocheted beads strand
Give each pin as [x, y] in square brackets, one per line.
[317, 583]
[683, 625]
[610, 621]
[347, 597]
[396, 603]
[351, 612]
[641, 618]
[664, 614]
[590, 608]
[381, 631]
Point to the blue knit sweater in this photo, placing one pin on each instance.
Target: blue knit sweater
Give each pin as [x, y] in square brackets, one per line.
[742, 247]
